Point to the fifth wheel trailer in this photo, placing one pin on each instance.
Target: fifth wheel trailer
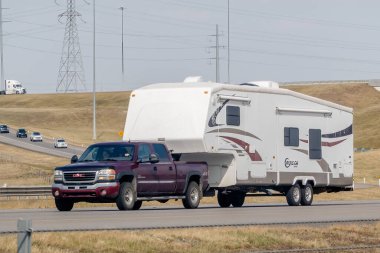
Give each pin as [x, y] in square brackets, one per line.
[254, 139]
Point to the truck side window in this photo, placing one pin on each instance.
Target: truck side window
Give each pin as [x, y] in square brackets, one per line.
[143, 153]
[162, 152]
[233, 115]
[315, 144]
[291, 136]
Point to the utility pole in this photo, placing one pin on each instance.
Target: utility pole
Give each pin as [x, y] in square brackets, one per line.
[1, 46]
[93, 79]
[217, 46]
[122, 43]
[228, 42]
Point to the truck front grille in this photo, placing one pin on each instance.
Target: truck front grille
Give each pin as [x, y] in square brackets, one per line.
[81, 176]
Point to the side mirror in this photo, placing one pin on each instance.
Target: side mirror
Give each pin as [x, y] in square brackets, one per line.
[74, 159]
[153, 158]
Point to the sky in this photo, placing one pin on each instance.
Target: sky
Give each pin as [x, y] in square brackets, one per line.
[168, 40]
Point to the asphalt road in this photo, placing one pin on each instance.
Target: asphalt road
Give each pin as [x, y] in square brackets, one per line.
[154, 217]
[47, 146]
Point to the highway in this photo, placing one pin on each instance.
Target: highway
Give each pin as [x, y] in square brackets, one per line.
[47, 146]
[177, 216]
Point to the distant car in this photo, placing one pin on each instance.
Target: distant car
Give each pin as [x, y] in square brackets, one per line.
[60, 143]
[35, 136]
[21, 133]
[4, 129]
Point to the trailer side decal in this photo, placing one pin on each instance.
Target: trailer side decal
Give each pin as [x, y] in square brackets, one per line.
[234, 131]
[212, 120]
[345, 132]
[325, 143]
[253, 156]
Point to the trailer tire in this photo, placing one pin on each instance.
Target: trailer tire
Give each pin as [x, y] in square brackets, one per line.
[224, 200]
[192, 196]
[307, 195]
[237, 199]
[293, 196]
[64, 205]
[126, 199]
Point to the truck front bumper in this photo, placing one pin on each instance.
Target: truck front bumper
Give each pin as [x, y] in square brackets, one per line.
[108, 190]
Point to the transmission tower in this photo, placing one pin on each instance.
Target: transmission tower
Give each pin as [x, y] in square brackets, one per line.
[71, 72]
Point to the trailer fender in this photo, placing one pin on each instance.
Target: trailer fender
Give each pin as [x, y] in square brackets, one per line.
[304, 180]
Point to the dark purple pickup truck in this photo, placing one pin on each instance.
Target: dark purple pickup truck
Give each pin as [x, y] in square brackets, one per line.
[128, 173]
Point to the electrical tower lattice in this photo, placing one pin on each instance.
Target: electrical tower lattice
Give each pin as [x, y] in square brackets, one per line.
[71, 72]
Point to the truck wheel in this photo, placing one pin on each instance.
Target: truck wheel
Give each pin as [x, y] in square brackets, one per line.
[224, 200]
[137, 205]
[192, 197]
[126, 199]
[307, 195]
[64, 205]
[293, 196]
[237, 199]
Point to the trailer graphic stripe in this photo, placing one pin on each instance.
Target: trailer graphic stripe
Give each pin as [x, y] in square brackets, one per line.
[212, 120]
[325, 143]
[345, 132]
[253, 156]
[322, 163]
[234, 131]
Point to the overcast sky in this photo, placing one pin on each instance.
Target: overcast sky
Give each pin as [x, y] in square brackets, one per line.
[167, 40]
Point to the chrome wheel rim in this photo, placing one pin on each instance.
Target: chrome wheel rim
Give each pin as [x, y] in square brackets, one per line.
[128, 197]
[296, 194]
[194, 195]
[308, 194]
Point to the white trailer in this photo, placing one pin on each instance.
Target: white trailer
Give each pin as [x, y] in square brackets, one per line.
[13, 87]
[254, 139]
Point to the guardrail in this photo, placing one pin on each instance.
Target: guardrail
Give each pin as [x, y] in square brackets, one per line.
[25, 191]
[24, 235]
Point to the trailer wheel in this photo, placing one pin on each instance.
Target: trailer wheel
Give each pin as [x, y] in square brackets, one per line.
[126, 199]
[224, 199]
[293, 196]
[64, 205]
[237, 199]
[192, 197]
[307, 195]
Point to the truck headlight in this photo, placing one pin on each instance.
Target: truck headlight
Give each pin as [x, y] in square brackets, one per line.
[106, 174]
[58, 175]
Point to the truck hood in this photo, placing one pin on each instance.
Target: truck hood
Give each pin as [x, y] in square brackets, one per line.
[91, 166]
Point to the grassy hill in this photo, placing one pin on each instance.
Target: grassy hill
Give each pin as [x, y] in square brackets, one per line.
[67, 115]
[70, 115]
[366, 103]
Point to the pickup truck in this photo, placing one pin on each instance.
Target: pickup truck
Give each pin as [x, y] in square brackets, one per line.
[128, 173]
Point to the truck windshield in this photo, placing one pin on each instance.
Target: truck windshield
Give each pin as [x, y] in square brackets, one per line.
[115, 152]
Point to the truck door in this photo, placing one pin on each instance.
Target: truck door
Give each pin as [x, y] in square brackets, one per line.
[147, 179]
[166, 170]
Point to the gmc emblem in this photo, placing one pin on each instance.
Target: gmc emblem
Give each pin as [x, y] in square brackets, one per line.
[78, 175]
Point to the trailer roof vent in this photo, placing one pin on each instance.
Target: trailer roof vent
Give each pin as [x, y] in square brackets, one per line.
[265, 84]
[193, 79]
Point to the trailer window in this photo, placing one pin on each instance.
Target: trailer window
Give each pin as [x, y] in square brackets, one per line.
[291, 136]
[233, 115]
[162, 153]
[315, 144]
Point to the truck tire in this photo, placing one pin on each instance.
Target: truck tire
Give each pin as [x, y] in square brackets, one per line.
[192, 197]
[237, 199]
[307, 195]
[126, 199]
[137, 205]
[224, 199]
[293, 196]
[64, 205]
